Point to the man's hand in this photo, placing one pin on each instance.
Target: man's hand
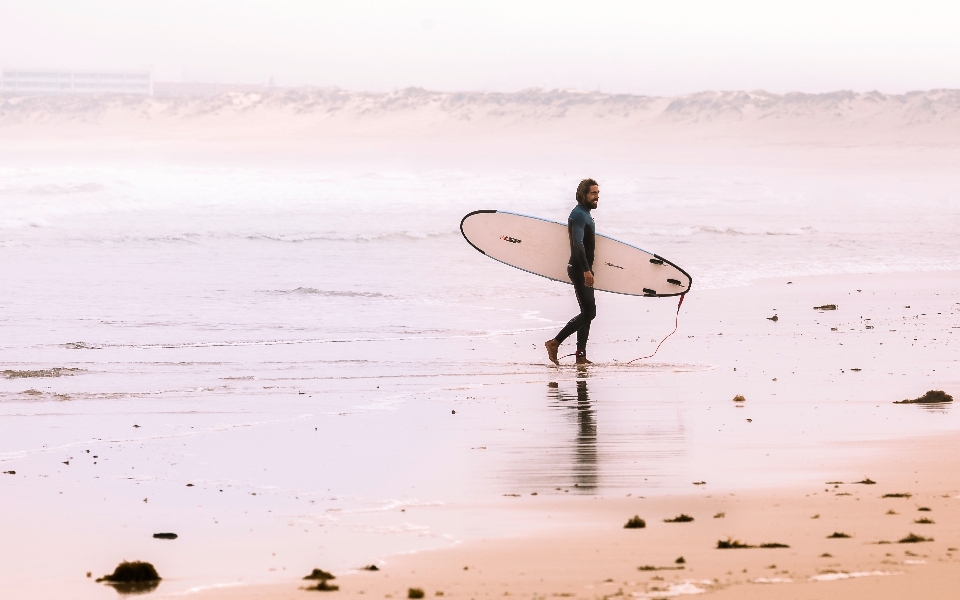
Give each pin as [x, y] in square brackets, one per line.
[588, 278]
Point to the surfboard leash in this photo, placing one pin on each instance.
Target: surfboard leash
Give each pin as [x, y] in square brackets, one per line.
[676, 325]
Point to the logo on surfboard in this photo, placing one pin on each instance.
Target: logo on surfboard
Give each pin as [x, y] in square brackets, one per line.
[507, 238]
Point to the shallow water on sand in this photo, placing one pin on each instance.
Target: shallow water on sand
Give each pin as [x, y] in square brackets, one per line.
[293, 368]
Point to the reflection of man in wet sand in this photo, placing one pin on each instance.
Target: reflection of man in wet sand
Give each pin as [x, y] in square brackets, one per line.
[581, 230]
[585, 469]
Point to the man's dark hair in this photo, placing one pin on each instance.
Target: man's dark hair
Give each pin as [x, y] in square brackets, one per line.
[584, 188]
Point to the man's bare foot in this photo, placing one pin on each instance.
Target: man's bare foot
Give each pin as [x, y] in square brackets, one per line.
[582, 359]
[552, 347]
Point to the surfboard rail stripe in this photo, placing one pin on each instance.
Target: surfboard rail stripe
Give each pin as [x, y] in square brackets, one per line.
[657, 259]
[467, 216]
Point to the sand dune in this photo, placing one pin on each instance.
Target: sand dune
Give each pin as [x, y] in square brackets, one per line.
[838, 118]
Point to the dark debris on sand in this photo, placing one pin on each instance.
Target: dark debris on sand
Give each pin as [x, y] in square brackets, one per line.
[133, 577]
[931, 397]
[127, 572]
[731, 544]
[320, 574]
[165, 536]
[323, 586]
[837, 535]
[322, 577]
[635, 523]
[681, 518]
[653, 568]
[54, 372]
[914, 539]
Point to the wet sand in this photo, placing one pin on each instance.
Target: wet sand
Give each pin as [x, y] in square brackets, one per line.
[527, 477]
[588, 553]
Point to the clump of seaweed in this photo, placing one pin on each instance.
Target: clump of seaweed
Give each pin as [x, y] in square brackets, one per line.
[837, 535]
[914, 539]
[774, 545]
[133, 577]
[681, 518]
[866, 481]
[731, 544]
[322, 577]
[898, 495]
[165, 536]
[680, 561]
[320, 574]
[826, 555]
[826, 307]
[931, 397]
[653, 568]
[924, 521]
[635, 523]
[371, 568]
[414, 593]
[924, 509]
[322, 586]
[739, 398]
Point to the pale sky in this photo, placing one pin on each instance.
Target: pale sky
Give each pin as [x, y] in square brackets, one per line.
[642, 47]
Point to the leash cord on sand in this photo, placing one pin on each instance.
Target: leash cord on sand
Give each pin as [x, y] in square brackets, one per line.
[676, 324]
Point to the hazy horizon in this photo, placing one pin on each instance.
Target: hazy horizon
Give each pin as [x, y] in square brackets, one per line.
[642, 48]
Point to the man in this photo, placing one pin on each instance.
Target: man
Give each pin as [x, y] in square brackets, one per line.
[581, 230]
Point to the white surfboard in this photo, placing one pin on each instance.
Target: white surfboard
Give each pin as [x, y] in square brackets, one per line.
[542, 247]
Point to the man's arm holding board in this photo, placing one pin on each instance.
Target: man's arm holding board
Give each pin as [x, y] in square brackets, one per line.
[576, 226]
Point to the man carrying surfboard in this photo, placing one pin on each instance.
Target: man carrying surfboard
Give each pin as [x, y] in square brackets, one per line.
[581, 229]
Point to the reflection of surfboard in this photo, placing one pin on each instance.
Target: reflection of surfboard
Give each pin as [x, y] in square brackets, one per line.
[543, 247]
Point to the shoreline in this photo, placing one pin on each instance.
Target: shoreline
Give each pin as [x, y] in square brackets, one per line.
[518, 434]
[593, 556]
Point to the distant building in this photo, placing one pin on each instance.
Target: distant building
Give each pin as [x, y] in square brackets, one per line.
[41, 81]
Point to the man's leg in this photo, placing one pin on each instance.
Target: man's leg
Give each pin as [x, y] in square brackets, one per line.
[588, 310]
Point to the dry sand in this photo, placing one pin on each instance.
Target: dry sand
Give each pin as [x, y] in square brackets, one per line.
[591, 554]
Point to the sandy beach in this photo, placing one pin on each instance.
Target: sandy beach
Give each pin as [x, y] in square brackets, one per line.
[766, 468]
[588, 553]
[209, 337]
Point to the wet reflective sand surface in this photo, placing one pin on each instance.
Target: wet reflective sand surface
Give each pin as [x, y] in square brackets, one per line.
[278, 390]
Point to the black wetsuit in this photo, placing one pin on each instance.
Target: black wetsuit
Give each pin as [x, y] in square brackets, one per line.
[581, 230]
